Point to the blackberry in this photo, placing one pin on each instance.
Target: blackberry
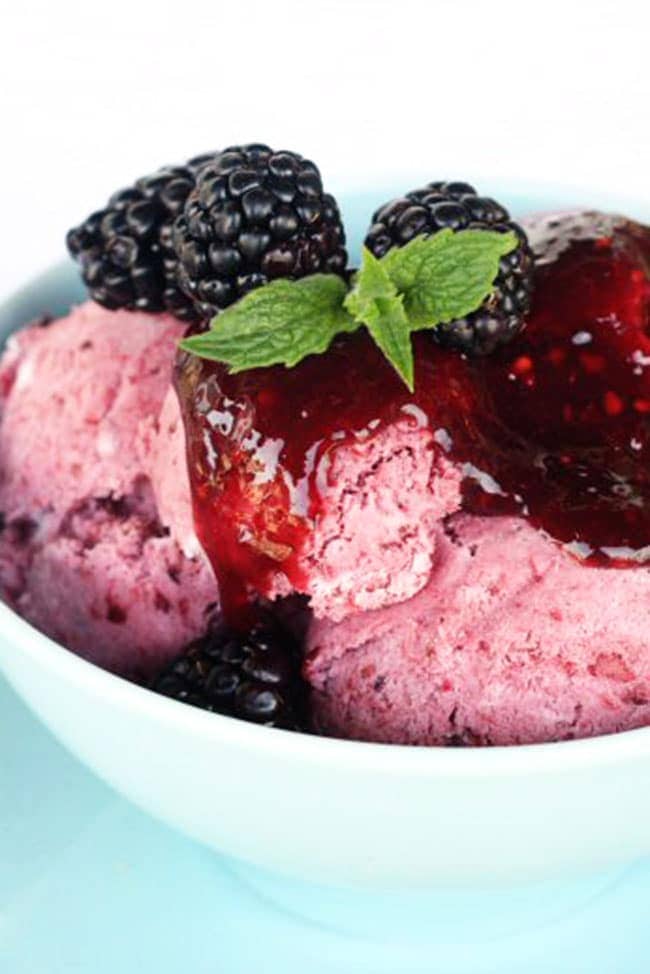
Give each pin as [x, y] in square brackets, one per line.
[458, 206]
[124, 250]
[254, 215]
[255, 676]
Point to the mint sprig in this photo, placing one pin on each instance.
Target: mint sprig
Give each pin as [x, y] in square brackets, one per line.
[277, 324]
[430, 281]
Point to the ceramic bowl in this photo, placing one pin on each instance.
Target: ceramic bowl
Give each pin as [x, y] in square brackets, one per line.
[329, 811]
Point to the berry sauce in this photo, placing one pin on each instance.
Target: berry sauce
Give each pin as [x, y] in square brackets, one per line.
[554, 427]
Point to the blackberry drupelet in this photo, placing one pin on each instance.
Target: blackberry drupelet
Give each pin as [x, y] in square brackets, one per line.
[124, 250]
[255, 215]
[254, 676]
[458, 206]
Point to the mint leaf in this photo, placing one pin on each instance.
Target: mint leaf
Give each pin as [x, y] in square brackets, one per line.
[277, 324]
[374, 302]
[448, 275]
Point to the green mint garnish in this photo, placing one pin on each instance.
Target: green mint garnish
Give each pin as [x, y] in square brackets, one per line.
[277, 324]
[428, 282]
[375, 302]
[448, 275]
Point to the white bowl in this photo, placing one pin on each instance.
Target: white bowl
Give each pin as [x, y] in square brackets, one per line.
[330, 811]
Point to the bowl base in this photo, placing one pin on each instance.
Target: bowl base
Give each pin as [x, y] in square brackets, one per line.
[455, 916]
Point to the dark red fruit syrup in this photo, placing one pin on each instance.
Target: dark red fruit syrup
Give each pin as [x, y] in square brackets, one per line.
[554, 427]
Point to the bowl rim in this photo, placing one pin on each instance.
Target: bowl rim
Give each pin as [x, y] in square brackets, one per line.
[521, 760]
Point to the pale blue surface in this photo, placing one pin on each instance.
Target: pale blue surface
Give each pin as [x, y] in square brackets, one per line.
[90, 884]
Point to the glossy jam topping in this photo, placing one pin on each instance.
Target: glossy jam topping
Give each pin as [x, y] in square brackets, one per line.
[555, 427]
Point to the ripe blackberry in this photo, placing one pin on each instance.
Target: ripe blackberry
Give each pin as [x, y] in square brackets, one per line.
[255, 676]
[255, 215]
[459, 207]
[124, 250]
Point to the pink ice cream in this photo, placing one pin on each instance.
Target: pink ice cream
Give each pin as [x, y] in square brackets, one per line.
[437, 615]
[373, 544]
[97, 549]
[532, 627]
[512, 641]
[298, 490]
[438, 536]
